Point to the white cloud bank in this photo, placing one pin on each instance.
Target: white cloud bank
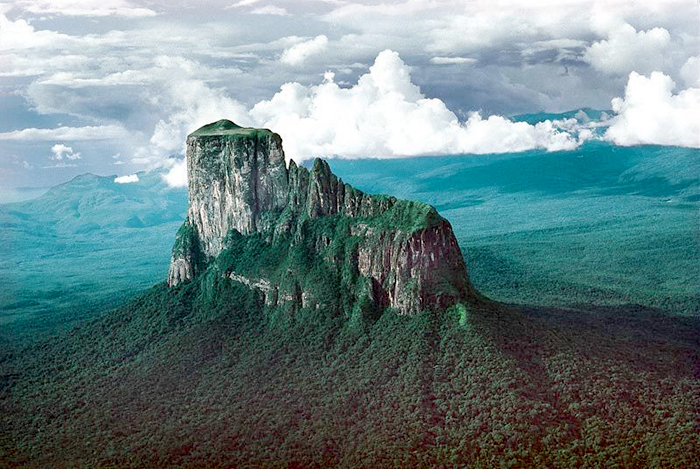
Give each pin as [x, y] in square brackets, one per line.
[127, 179]
[97, 132]
[189, 103]
[177, 175]
[690, 72]
[651, 114]
[61, 151]
[386, 115]
[452, 61]
[627, 50]
[298, 53]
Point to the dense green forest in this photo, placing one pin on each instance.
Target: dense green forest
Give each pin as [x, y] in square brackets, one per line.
[203, 375]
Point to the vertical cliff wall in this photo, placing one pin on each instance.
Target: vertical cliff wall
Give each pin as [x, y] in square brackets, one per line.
[236, 175]
[393, 253]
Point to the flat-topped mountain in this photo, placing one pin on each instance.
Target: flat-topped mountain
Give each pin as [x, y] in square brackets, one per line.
[375, 251]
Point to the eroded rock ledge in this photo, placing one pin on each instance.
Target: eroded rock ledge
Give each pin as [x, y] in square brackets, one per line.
[380, 251]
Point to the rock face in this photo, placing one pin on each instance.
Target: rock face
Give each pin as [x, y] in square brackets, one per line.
[376, 251]
[236, 176]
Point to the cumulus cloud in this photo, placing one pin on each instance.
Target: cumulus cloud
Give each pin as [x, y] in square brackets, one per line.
[383, 115]
[186, 103]
[650, 113]
[99, 132]
[189, 104]
[178, 94]
[61, 151]
[177, 175]
[19, 35]
[298, 53]
[690, 72]
[452, 60]
[386, 115]
[628, 50]
[127, 179]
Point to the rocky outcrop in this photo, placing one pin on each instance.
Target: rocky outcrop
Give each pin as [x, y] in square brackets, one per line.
[381, 251]
[236, 176]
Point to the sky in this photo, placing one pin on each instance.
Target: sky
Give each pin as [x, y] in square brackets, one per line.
[115, 86]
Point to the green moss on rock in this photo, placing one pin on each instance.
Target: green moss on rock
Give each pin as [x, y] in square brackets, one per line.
[229, 128]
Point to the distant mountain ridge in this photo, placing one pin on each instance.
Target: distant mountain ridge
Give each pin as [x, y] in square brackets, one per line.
[51, 247]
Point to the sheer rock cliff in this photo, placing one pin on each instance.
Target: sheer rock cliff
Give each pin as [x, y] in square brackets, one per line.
[334, 246]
